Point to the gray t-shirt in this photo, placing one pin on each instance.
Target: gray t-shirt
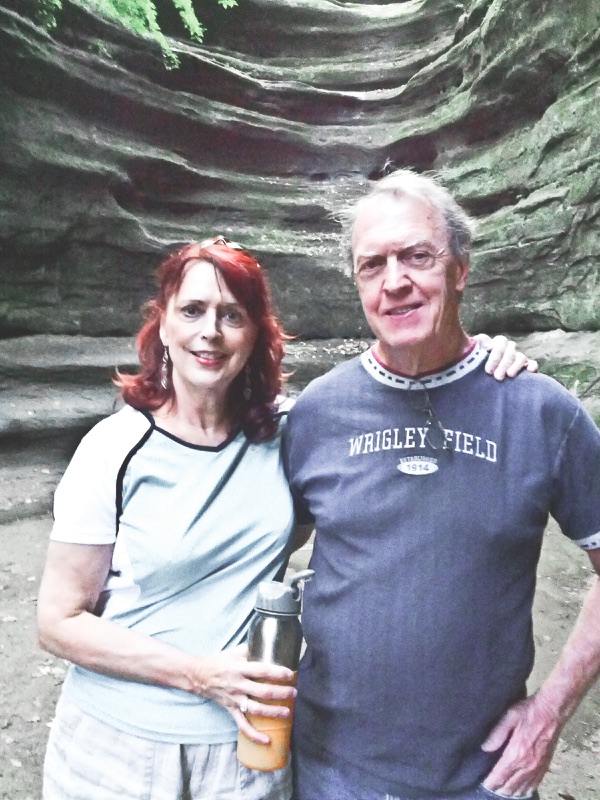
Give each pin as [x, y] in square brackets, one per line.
[418, 619]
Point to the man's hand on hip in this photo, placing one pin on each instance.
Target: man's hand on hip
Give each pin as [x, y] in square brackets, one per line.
[531, 731]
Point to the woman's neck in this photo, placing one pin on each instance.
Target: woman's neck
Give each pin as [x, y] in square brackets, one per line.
[203, 421]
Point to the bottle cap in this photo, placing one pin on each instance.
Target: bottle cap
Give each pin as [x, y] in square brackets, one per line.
[282, 598]
[277, 597]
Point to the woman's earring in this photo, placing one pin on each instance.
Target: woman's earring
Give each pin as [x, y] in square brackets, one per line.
[164, 371]
[247, 384]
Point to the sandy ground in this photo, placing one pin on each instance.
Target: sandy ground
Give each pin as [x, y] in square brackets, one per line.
[30, 679]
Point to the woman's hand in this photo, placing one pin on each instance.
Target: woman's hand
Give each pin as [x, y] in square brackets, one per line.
[68, 627]
[504, 359]
[73, 579]
[243, 686]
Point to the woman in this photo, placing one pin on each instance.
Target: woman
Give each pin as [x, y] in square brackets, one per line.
[149, 594]
[169, 515]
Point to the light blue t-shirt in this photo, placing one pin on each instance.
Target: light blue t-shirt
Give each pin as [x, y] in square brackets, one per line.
[190, 582]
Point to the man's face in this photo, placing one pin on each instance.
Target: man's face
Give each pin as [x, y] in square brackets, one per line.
[408, 282]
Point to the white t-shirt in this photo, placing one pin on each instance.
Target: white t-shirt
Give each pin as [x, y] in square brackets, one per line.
[189, 582]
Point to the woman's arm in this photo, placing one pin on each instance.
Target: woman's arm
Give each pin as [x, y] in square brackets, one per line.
[73, 578]
[504, 359]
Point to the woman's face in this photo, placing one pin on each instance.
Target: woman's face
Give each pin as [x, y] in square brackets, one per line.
[209, 333]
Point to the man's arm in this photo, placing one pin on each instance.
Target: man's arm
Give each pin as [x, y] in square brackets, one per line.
[301, 535]
[532, 726]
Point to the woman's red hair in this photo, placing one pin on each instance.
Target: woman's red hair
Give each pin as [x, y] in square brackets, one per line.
[246, 281]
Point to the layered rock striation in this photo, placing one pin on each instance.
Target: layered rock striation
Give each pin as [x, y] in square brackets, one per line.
[291, 106]
[108, 159]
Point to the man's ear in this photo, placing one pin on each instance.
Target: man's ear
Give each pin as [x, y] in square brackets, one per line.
[462, 273]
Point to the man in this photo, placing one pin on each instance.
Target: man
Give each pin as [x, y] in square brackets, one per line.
[431, 487]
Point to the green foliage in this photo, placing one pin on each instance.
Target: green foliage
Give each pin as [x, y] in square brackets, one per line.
[138, 15]
[46, 12]
[188, 16]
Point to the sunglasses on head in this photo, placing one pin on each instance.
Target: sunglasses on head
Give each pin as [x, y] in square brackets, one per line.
[223, 241]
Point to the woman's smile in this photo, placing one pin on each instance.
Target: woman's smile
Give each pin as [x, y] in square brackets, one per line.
[209, 358]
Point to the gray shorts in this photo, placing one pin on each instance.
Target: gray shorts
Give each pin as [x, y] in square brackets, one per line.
[89, 760]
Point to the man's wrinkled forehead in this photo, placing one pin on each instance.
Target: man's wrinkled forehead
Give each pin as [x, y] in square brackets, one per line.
[385, 221]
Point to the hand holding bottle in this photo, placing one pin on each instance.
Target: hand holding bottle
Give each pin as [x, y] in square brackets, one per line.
[242, 686]
[274, 638]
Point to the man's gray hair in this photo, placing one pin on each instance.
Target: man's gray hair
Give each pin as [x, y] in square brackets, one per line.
[406, 183]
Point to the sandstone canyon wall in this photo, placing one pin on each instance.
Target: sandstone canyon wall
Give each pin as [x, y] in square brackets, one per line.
[282, 116]
[107, 158]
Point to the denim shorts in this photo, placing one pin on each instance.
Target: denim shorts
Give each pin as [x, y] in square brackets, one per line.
[315, 779]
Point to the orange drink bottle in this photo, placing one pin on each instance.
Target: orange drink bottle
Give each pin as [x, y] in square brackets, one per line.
[274, 637]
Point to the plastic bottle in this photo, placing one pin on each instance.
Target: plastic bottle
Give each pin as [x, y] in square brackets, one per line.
[275, 637]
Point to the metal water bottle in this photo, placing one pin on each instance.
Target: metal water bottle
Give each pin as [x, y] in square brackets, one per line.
[274, 637]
